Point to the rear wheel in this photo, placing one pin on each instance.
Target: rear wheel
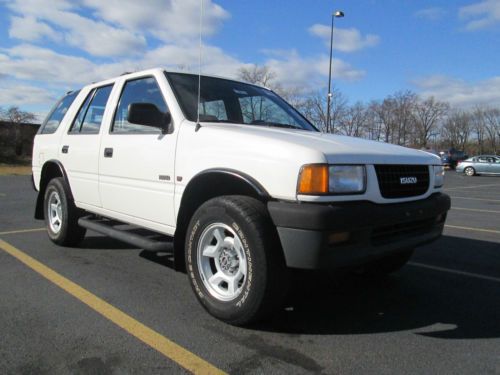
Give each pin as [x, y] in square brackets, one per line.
[61, 214]
[388, 264]
[234, 260]
[469, 171]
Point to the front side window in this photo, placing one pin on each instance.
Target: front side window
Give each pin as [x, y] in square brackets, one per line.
[89, 118]
[223, 100]
[142, 90]
[55, 117]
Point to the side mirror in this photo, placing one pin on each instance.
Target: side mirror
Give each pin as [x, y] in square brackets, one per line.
[148, 114]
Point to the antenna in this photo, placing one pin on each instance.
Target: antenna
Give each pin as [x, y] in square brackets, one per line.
[198, 125]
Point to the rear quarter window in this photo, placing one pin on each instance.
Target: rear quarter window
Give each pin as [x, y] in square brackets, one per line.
[57, 113]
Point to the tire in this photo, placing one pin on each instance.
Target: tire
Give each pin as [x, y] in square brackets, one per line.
[234, 260]
[469, 171]
[61, 214]
[388, 264]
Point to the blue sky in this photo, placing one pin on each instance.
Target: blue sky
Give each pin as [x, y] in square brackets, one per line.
[447, 49]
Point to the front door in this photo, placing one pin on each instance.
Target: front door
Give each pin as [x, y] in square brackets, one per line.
[136, 169]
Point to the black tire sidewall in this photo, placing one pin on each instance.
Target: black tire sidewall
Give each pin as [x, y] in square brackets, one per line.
[57, 186]
[245, 306]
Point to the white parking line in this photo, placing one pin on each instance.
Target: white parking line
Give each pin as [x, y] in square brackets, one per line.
[456, 272]
[472, 187]
[475, 199]
[475, 210]
[473, 229]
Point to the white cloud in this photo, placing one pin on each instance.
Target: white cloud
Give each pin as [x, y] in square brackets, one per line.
[118, 32]
[460, 93]
[168, 20]
[15, 94]
[345, 40]
[481, 15]
[29, 29]
[432, 14]
[293, 70]
[93, 36]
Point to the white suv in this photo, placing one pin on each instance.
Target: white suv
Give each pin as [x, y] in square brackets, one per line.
[240, 186]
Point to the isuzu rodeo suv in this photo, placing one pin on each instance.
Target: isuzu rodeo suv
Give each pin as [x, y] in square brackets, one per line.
[231, 180]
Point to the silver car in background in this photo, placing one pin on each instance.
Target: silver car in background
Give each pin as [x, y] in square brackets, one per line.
[481, 164]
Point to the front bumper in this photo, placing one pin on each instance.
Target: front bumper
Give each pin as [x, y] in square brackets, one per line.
[315, 236]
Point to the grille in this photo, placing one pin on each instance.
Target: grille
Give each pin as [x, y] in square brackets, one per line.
[389, 180]
[389, 233]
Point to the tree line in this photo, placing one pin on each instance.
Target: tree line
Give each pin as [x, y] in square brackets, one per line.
[403, 118]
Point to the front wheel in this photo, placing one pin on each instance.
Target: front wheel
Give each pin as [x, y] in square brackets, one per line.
[469, 171]
[61, 214]
[234, 260]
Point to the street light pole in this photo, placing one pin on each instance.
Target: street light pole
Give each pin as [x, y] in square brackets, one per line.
[337, 14]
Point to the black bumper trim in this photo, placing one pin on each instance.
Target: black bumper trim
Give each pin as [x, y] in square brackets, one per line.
[375, 230]
[341, 216]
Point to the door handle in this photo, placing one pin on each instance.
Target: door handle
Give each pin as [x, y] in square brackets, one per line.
[108, 152]
[65, 149]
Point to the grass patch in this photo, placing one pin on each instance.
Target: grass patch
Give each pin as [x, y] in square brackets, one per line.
[17, 170]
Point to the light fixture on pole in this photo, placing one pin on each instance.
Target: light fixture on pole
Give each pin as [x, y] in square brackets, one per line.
[337, 14]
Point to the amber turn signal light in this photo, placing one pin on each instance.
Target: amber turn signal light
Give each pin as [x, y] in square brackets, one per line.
[313, 179]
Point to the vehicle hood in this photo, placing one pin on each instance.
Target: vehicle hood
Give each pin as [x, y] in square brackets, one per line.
[336, 149]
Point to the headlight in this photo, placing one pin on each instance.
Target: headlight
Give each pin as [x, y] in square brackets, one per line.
[322, 179]
[438, 175]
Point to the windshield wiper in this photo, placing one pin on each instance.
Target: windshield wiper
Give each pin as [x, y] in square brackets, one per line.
[275, 124]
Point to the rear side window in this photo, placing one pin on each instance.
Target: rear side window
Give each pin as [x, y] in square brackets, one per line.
[142, 90]
[55, 116]
[89, 117]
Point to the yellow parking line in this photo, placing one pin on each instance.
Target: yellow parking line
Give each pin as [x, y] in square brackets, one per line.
[475, 210]
[22, 231]
[473, 229]
[476, 199]
[168, 348]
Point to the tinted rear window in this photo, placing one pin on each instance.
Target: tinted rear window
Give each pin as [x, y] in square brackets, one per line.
[57, 113]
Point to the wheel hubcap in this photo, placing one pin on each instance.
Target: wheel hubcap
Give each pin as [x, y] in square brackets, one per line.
[55, 212]
[221, 261]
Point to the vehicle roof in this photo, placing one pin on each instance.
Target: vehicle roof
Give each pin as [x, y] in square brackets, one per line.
[162, 70]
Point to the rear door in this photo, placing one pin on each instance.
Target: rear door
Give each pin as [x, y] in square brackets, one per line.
[481, 165]
[136, 162]
[80, 146]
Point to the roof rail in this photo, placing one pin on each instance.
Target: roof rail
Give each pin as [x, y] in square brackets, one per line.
[125, 73]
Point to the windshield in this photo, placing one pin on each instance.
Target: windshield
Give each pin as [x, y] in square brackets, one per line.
[223, 100]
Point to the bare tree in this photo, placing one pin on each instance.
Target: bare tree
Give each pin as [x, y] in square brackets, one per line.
[355, 121]
[404, 116]
[428, 114]
[314, 108]
[492, 125]
[385, 118]
[16, 118]
[259, 75]
[456, 130]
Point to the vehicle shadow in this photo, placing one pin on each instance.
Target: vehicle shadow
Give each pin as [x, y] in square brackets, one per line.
[98, 242]
[429, 302]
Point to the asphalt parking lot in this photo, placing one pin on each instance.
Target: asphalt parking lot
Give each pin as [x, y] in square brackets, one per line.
[107, 308]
